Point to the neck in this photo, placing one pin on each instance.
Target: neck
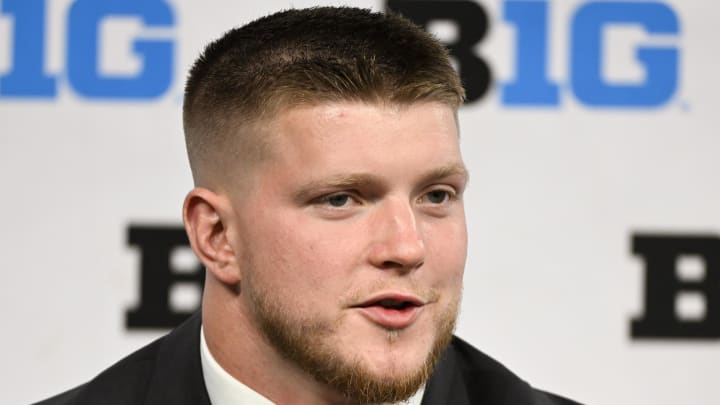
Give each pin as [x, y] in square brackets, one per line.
[236, 343]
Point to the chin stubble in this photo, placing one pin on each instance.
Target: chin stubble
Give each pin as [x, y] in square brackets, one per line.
[308, 344]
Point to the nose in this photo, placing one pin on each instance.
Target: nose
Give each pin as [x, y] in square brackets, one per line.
[397, 241]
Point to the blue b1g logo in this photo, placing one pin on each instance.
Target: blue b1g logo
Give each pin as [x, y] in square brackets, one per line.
[531, 85]
[27, 78]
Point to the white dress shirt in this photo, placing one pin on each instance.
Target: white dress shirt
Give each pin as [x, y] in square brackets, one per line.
[224, 389]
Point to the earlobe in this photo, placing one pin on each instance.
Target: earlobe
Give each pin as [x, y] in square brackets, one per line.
[205, 215]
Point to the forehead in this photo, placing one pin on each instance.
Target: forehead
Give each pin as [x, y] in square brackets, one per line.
[396, 143]
[363, 126]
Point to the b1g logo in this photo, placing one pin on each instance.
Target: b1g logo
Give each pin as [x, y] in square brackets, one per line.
[27, 76]
[531, 85]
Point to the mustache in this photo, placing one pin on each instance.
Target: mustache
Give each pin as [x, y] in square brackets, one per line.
[359, 296]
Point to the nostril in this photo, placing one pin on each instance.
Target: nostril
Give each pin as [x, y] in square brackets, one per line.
[389, 264]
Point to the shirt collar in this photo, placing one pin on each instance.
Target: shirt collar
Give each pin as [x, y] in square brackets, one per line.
[222, 388]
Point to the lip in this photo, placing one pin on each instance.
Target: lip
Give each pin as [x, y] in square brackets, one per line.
[392, 318]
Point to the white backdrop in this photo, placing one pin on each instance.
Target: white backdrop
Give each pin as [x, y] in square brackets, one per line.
[557, 192]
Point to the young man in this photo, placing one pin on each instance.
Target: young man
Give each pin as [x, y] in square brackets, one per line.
[328, 212]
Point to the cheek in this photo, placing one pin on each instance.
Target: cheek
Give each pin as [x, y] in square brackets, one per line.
[310, 254]
[447, 249]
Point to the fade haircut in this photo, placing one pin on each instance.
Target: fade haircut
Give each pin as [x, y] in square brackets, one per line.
[305, 57]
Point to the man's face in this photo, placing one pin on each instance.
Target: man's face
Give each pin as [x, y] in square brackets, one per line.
[352, 242]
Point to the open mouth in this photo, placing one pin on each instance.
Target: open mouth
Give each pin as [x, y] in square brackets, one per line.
[393, 304]
[392, 311]
[392, 301]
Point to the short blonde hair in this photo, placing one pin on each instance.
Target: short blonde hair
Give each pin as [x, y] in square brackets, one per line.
[306, 56]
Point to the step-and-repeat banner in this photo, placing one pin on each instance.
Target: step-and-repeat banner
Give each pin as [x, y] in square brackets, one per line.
[590, 132]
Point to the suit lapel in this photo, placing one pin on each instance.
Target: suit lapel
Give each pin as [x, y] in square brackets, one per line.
[177, 375]
[446, 385]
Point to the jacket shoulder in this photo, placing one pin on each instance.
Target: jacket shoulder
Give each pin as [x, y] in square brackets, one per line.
[486, 377]
[125, 382]
[167, 371]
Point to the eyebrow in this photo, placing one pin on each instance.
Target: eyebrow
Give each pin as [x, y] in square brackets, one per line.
[339, 182]
[442, 172]
[356, 180]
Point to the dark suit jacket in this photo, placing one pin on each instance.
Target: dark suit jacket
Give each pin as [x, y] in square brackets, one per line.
[168, 371]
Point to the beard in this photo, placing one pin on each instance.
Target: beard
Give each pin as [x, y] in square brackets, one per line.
[307, 342]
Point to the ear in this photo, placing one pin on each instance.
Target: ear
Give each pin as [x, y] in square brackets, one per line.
[205, 215]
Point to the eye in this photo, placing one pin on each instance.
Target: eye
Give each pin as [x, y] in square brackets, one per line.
[337, 200]
[437, 196]
[338, 205]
